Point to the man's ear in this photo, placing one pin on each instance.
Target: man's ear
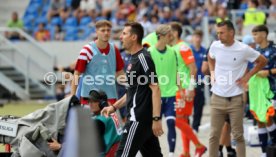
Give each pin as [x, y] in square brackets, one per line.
[134, 37]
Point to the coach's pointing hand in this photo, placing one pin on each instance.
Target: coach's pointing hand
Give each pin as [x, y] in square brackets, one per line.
[106, 111]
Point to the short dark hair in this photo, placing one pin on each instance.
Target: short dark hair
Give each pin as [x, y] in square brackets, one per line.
[260, 28]
[227, 23]
[255, 2]
[137, 29]
[176, 26]
[198, 33]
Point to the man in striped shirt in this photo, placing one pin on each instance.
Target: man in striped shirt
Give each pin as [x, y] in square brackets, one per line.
[98, 63]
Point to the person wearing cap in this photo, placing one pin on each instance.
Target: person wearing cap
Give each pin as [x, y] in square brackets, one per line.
[109, 128]
[261, 100]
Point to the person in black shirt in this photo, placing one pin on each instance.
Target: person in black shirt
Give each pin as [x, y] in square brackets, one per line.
[143, 99]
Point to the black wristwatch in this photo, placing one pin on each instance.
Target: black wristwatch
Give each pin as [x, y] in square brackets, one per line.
[156, 118]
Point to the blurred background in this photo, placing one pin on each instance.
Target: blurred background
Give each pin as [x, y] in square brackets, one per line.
[41, 38]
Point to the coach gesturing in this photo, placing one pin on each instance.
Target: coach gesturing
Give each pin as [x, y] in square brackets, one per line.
[143, 99]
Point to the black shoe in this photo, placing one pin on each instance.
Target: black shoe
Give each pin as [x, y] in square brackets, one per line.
[232, 153]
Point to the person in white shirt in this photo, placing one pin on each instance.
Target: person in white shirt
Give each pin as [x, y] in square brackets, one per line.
[228, 59]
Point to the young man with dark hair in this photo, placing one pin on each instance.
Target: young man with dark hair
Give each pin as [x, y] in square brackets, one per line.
[229, 78]
[198, 51]
[143, 99]
[261, 105]
[187, 73]
[98, 62]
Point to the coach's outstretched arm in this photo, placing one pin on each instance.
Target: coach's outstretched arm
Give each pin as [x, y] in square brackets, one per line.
[156, 109]
[112, 108]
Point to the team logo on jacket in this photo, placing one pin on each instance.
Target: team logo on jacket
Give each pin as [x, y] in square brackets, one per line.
[129, 67]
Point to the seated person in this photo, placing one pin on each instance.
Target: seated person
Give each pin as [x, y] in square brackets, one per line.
[42, 34]
[14, 22]
[109, 128]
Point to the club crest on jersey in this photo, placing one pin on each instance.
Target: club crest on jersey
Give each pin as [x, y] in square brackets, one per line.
[184, 48]
[129, 67]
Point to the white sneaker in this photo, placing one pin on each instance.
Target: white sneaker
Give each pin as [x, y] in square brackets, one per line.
[171, 154]
[263, 155]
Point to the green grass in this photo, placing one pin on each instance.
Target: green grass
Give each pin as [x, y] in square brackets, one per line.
[19, 109]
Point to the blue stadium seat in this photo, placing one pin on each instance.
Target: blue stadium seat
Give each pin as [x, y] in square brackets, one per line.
[85, 21]
[33, 8]
[37, 1]
[71, 34]
[51, 29]
[41, 19]
[71, 22]
[86, 32]
[29, 22]
[45, 9]
[56, 21]
[68, 3]
[100, 18]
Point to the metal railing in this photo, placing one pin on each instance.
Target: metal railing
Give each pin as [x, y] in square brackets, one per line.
[29, 66]
[40, 53]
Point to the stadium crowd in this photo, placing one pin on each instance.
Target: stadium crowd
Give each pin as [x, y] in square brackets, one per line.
[75, 19]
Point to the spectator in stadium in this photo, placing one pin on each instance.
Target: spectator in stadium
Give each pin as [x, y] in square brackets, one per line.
[87, 5]
[64, 13]
[59, 34]
[185, 97]
[107, 7]
[272, 8]
[154, 23]
[14, 22]
[166, 15]
[228, 90]
[146, 24]
[98, 58]
[252, 17]
[263, 4]
[56, 6]
[165, 62]
[128, 10]
[222, 14]
[194, 14]
[264, 115]
[199, 101]
[109, 128]
[142, 99]
[154, 10]
[179, 16]
[142, 10]
[42, 34]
